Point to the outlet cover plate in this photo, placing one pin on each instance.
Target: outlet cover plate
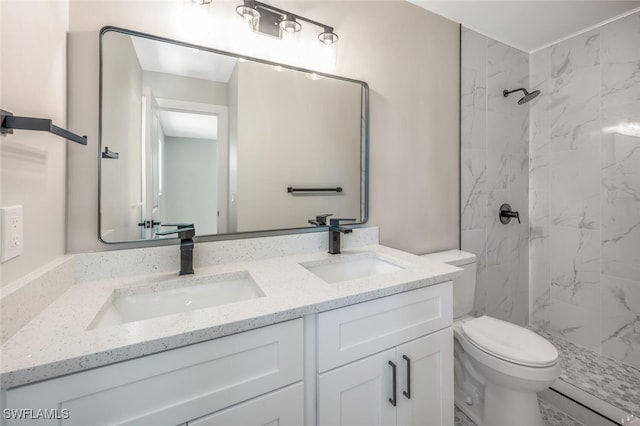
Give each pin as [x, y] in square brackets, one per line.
[11, 219]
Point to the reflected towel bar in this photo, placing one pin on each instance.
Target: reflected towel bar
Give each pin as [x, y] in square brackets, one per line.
[110, 154]
[8, 122]
[291, 189]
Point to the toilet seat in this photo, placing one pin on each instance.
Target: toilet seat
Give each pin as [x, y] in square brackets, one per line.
[509, 342]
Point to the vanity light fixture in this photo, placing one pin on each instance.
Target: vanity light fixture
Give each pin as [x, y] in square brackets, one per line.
[201, 2]
[290, 25]
[272, 21]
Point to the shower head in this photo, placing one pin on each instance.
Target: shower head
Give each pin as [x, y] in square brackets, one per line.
[527, 96]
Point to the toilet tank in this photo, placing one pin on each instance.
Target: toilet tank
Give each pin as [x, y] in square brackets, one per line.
[464, 286]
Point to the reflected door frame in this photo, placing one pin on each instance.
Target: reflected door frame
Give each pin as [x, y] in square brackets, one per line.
[222, 149]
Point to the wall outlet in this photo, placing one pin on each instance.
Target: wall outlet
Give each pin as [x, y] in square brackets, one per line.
[11, 233]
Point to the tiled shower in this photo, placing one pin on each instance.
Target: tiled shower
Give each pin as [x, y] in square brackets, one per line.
[585, 190]
[569, 162]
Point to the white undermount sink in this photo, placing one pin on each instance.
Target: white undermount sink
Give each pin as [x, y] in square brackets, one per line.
[349, 267]
[174, 296]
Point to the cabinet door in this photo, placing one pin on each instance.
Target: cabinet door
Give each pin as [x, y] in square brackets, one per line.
[358, 393]
[430, 361]
[280, 408]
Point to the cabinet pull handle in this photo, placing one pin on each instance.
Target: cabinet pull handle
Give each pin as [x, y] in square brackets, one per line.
[393, 400]
[407, 393]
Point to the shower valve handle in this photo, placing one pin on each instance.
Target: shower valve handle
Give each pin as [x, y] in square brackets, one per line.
[506, 214]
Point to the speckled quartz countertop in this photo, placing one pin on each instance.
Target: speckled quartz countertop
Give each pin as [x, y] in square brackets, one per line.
[60, 340]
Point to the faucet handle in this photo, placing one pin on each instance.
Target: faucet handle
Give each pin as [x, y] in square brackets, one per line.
[321, 220]
[184, 231]
[335, 224]
[336, 221]
[179, 225]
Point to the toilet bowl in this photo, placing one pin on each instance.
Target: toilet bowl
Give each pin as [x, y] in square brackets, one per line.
[510, 369]
[499, 367]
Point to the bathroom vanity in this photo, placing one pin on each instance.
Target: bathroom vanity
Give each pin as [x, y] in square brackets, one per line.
[371, 348]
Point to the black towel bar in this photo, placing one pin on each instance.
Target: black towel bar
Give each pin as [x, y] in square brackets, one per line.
[291, 189]
[8, 122]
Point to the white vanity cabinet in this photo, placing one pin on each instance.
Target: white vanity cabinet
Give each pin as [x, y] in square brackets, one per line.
[403, 341]
[183, 385]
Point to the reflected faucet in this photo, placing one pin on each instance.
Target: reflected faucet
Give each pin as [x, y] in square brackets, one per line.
[334, 234]
[185, 232]
[321, 220]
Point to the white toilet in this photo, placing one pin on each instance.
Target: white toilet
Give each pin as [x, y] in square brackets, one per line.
[499, 366]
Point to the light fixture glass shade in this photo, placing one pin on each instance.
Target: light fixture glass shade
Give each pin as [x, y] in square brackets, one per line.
[250, 15]
[328, 37]
[290, 25]
[201, 2]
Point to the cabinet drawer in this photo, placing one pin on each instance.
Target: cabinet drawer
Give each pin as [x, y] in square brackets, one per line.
[284, 407]
[173, 386]
[353, 332]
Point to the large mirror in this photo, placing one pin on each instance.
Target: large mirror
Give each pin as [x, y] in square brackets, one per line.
[229, 144]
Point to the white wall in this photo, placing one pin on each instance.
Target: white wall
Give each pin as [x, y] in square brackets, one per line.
[33, 164]
[414, 79]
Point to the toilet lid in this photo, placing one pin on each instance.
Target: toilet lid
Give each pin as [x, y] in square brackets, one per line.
[510, 342]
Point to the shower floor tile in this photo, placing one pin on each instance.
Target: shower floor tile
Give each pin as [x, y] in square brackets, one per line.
[551, 416]
[609, 380]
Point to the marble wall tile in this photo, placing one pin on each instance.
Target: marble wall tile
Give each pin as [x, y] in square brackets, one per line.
[540, 311]
[621, 246]
[498, 303]
[507, 69]
[473, 106]
[497, 234]
[621, 206]
[539, 68]
[519, 184]
[539, 212]
[575, 323]
[575, 266]
[473, 195]
[574, 81]
[621, 62]
[518, 271]
[519, 130]
[474, 50]
[474, 241]
[575, 192]
[578, 52]
[497, 151]
[621, 319]
[576, 130]
[539, 280]
[482, 287]
[621, 163]
[621, 119]
[573, 93]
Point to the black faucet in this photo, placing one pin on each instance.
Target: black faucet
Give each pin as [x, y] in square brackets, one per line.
[334, 234]
[185, 232]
